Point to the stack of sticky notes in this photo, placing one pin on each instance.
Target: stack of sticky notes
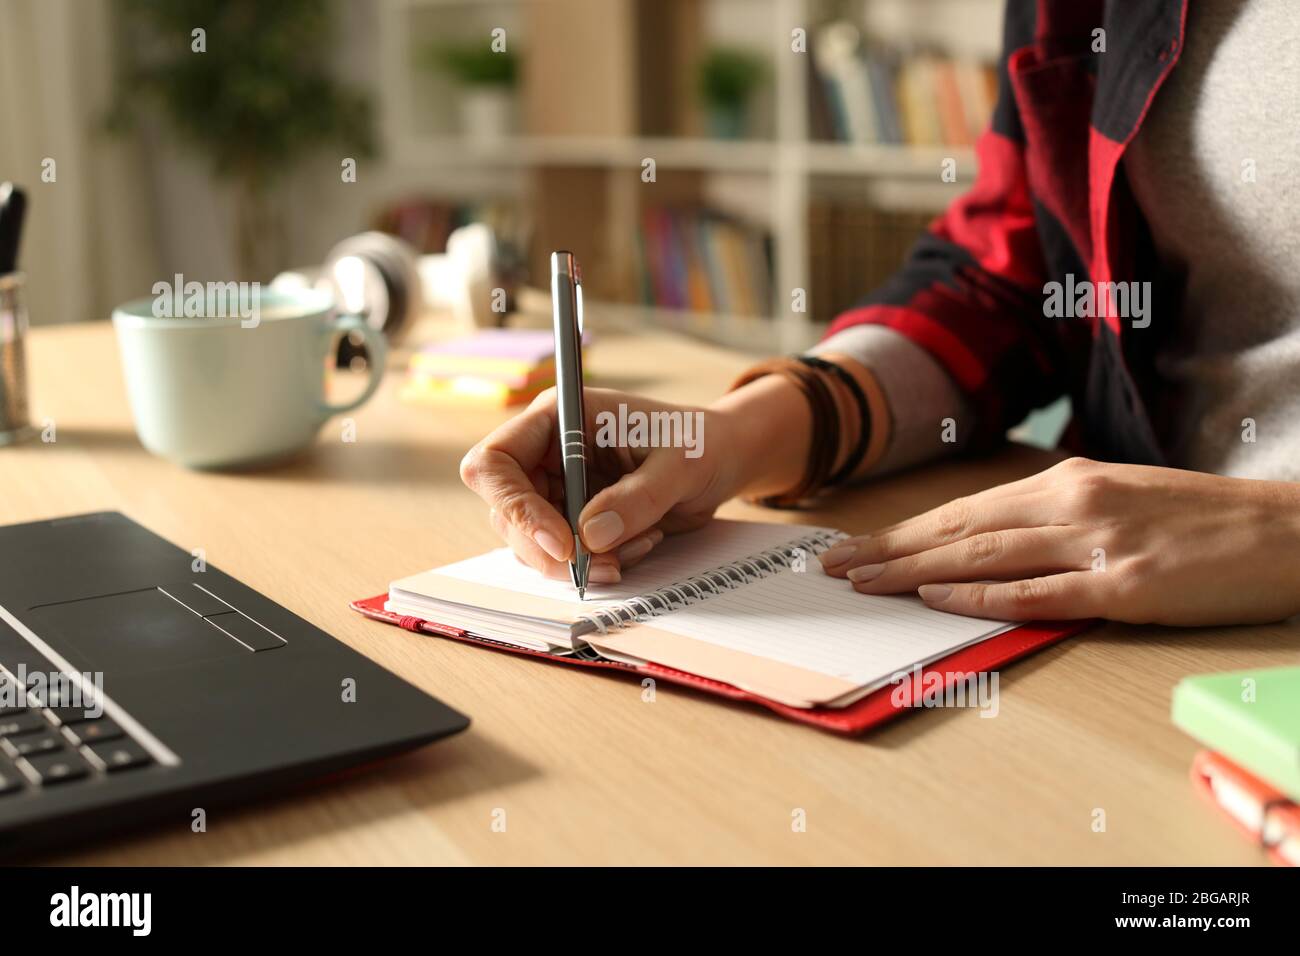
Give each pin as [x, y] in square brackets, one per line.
[494, 367]
[1250, 721]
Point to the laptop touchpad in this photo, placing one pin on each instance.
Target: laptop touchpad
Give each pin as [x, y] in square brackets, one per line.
[128, 633]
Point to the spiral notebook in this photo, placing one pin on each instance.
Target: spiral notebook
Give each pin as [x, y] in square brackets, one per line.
[745, 604]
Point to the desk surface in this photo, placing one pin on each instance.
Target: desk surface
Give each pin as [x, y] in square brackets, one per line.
[585, 771]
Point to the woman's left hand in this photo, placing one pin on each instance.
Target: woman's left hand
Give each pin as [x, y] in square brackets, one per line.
[1087, 539]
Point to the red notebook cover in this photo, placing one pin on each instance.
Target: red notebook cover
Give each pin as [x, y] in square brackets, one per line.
[876, 708]
[1267, 806]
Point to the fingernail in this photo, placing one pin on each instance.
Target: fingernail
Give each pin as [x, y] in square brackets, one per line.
[837, 555]
[635, 549]
[934, 593]
[866, 572]
[551, 545]
[603, 530]
[604, 574]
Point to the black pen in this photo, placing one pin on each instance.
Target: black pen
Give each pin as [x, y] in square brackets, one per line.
[13, 204]
[566, 307]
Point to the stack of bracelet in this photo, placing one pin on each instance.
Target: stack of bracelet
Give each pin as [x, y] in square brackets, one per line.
[817, 378]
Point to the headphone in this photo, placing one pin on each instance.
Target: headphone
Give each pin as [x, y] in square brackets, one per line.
[373, 275]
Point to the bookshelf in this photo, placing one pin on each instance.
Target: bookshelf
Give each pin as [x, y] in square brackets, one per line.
[628, 64]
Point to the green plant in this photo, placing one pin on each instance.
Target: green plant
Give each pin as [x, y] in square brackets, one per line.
[728, 77]
[257, 99]
[474, 64]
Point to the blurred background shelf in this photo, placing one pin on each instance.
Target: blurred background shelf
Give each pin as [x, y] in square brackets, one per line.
[885, 159]
[845, 159]
[668, 153]
[798, 146]
[602, 86]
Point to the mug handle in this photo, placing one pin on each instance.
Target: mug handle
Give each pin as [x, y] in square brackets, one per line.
[376, 355]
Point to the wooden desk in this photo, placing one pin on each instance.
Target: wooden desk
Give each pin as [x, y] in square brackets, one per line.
[585, 771]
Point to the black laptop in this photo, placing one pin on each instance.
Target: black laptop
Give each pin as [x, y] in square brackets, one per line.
[136, 684]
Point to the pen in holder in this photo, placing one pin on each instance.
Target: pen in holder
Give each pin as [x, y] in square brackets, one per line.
[14, 422]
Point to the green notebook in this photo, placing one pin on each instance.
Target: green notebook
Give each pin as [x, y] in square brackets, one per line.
[1251, 717]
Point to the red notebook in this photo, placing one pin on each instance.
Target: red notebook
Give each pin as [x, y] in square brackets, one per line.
[1262, 813]
[748, 615]
[875, 708]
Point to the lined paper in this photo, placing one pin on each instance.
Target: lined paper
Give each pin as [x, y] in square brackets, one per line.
[804, 619]
[675, 559]
[819, 623]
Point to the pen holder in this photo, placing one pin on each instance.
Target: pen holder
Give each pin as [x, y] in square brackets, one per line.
[14, 422]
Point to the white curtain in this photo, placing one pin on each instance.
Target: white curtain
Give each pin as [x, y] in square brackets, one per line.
[89, 240]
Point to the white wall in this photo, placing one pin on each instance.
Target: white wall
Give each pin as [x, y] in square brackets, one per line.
[127, 212]
[88, 241]
[194, 220]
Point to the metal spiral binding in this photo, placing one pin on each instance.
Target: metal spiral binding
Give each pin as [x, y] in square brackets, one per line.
[706, 584]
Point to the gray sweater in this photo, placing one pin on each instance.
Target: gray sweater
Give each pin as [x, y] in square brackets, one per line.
[1215, 170]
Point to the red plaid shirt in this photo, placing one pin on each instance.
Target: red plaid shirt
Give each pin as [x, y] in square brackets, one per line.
[1050, 200]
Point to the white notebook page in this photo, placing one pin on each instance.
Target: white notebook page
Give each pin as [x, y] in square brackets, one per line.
[805, 619]
[819, 623]
[676, 558]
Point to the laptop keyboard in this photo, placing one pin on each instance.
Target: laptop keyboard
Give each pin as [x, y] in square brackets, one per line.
[46, 742]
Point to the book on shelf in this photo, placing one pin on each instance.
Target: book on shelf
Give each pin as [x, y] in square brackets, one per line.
[704, 262]
[863, 92]
[952, 114]
[880, 70]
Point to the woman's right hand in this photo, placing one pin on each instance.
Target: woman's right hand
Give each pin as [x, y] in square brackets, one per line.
[637, 494]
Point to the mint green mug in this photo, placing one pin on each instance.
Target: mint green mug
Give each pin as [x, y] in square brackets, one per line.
[236, 379]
